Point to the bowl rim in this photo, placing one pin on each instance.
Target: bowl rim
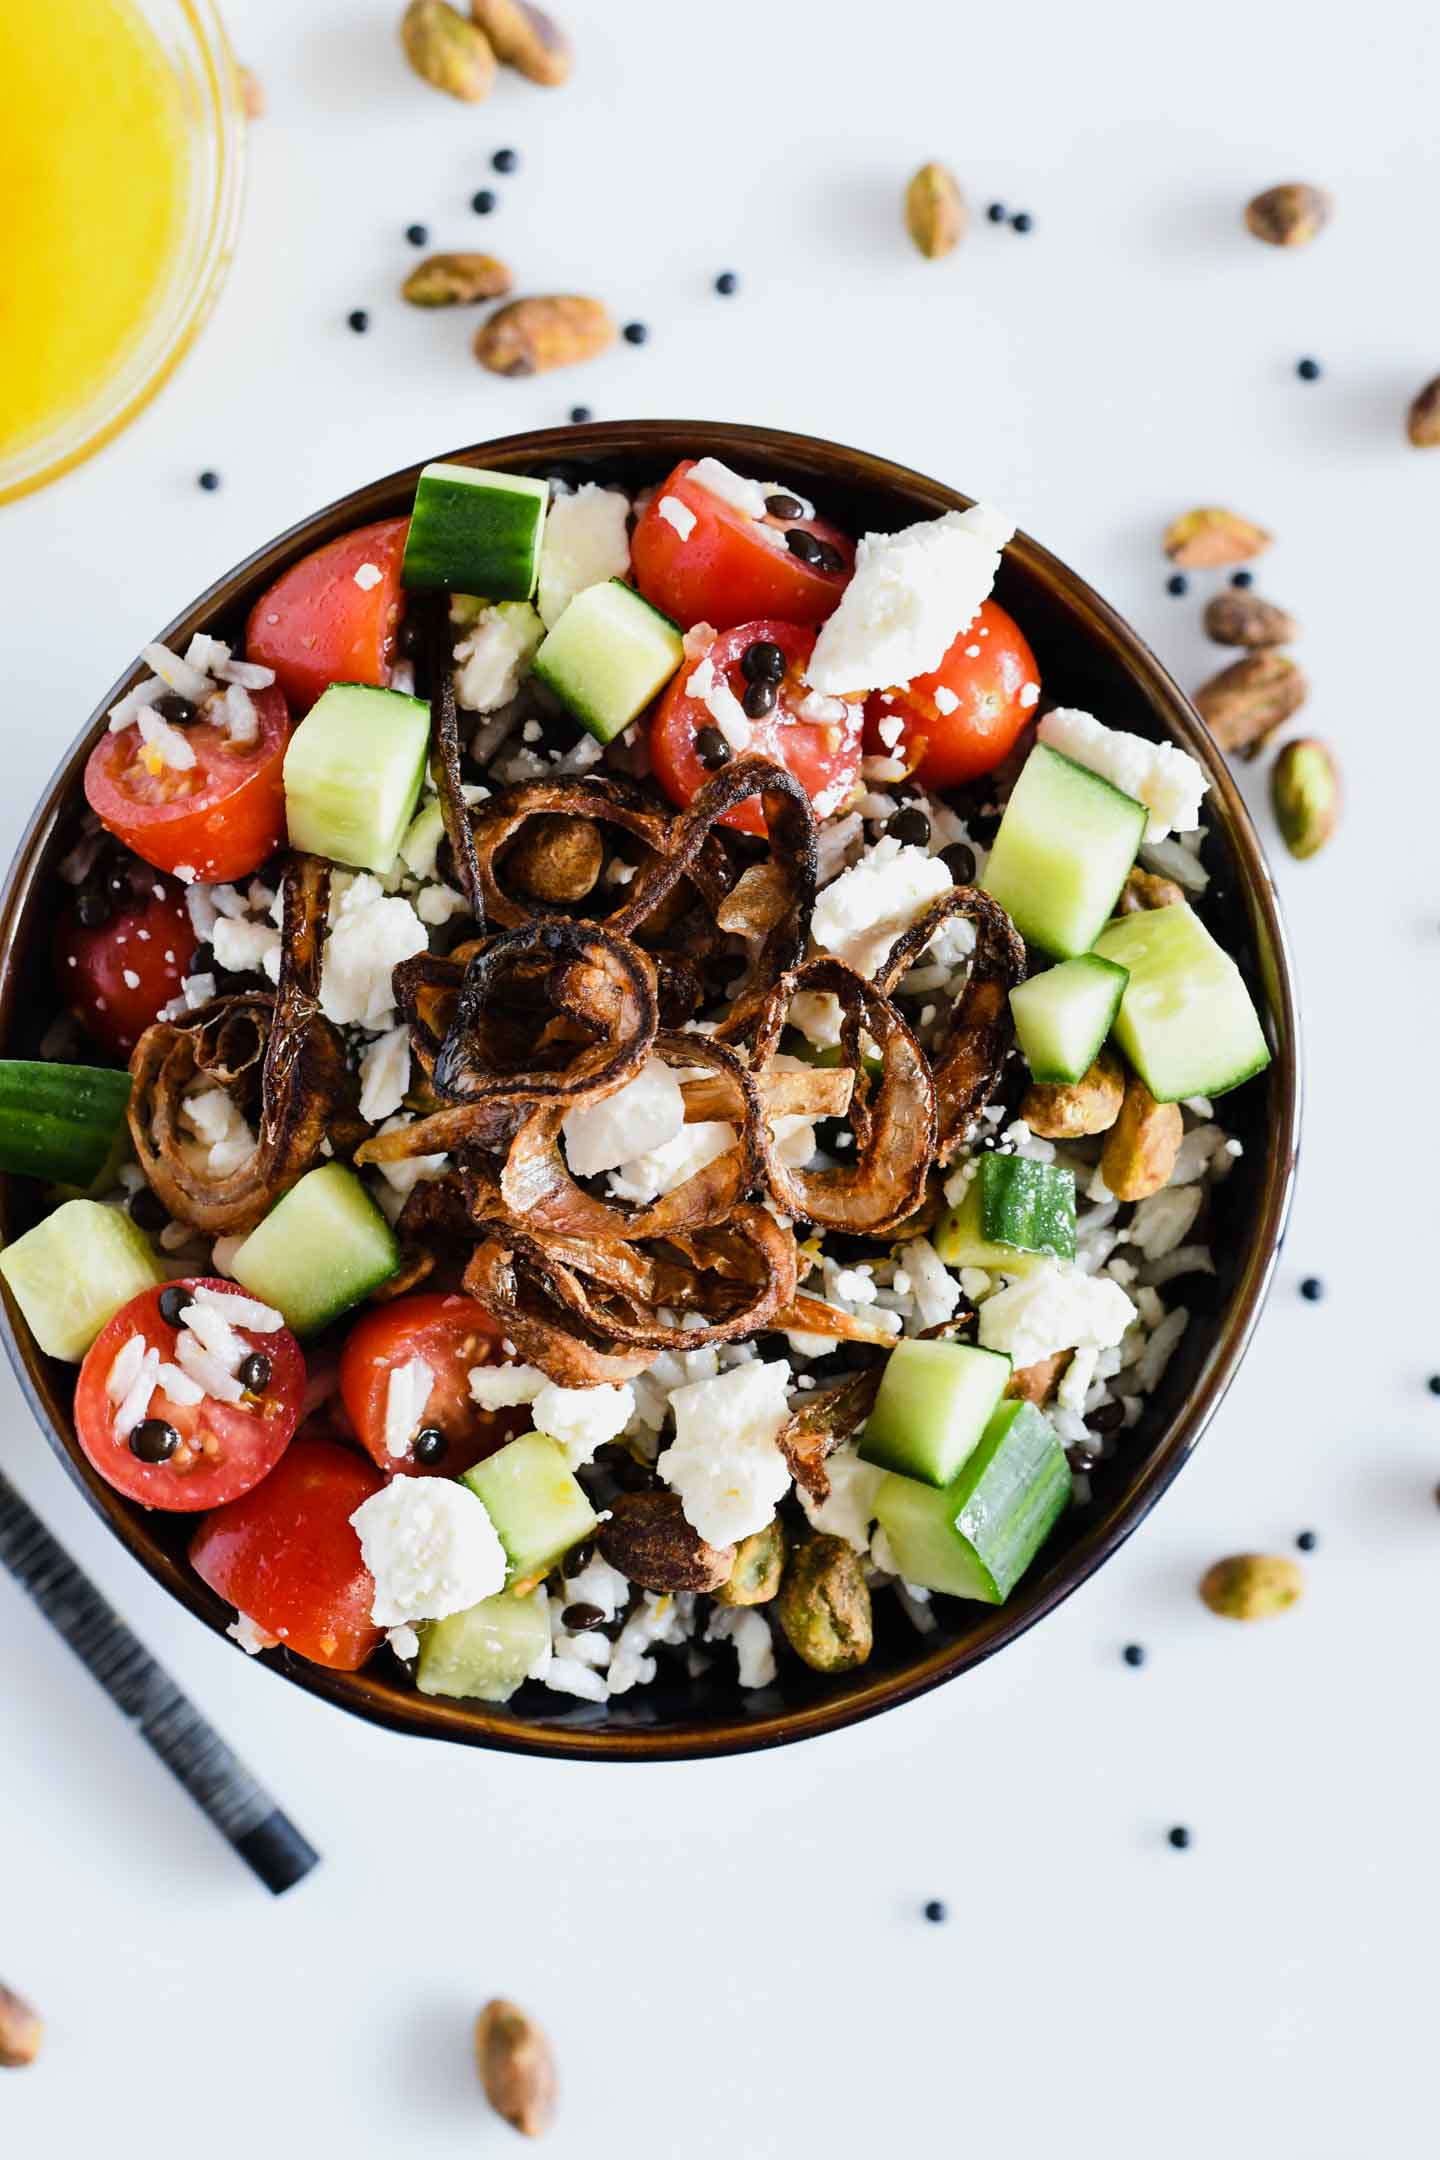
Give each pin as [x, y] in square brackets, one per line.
[73, 441]
[494, 1727]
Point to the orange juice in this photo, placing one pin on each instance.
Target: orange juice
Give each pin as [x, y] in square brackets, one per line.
[94, 174]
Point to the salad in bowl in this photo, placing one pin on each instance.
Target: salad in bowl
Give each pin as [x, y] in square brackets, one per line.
[640, 1102]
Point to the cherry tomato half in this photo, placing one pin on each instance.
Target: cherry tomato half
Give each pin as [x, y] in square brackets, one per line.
[225, 1447]
[452, 1334]
[327, 619]
[219, 818]
[969, 711]
[287, 1556]
[823, 754]
[116, 977]
[724, 570]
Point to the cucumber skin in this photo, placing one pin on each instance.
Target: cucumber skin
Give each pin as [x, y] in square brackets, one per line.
[960, 1242]
[452, 546]
[61, 1123]
[976, 1538]
[1029, 1205]
[55, 1251]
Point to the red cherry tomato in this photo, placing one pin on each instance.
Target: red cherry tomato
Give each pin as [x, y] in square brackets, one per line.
[220, 818]
[225, 1448]
[317, 626]
[451, 1333]
[116, 978]
[287, 1556]
[724, 571]
[824, 755]
[969, 711]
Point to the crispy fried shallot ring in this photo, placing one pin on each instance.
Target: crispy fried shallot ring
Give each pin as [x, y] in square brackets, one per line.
[282, 1048]
[894, 1121]
[445, 731]
[515, 1297]
[979, 1031]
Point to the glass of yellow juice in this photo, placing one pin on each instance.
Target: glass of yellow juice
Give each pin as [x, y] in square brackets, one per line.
[122, 138]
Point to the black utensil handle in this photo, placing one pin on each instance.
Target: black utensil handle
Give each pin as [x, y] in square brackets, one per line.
[241, 1810]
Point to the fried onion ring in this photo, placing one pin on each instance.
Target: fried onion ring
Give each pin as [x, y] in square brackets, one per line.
[826, 1419]
[979, 1030]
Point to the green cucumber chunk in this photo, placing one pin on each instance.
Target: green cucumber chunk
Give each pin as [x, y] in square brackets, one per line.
[63, 1123]
[538, 1508]
[322, 1247]
[487, 1651]
[422, 838]
[476, 532]
[1186, 1021]
[1065, 847]
[1063, 1016]
[1030, 1205]
[934, 1402]
[353, 773]
[976, 1538]
[607, 656]
[960, 1239]
[74, 1271]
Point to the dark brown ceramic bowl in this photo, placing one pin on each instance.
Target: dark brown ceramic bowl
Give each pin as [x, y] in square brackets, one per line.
[1088, 658]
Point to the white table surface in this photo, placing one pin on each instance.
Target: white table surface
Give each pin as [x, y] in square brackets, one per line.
[731, 1958]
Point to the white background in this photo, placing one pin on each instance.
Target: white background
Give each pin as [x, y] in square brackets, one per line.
[731, 1959]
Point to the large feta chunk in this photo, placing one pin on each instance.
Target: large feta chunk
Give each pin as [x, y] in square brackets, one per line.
[245, 948]
[637, 1118]
[866, 909]
[431, 1547]
[582, 1419]
[491, 658]
[724, 1461]
[912, 594]
[1054, 1307]
[1169, 782]
[371, 932]
[586, 541]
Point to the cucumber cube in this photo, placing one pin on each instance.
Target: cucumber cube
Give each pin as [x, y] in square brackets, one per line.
[353, 773]
[476, 532]
[961, 1242]
[1063, 1016]
[486, 1652]
[538, 1508]
[932, 1407]
[1030, 1205]
[977, 1537]
[74, 1271]
[607, 656]
[1065, 847]
[322, 1247]
[1186, 1021]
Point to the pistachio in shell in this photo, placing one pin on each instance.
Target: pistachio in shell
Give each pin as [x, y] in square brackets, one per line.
[759, 1566]
[1289, 215]
[1246, 702]
[447, 51]
[824, 1606]
[1423, 422]
[527, 39]
[1252, 1586]
[647, 1536]
[21, 2031]
[1212, 539]
[934, 210]
[1305, 793]
[1242, 618]
[456, 281]
[528, 337]
[516, 2067]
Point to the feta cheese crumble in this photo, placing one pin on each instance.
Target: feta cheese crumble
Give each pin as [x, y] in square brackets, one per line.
[370, 933]
[866, 909]
[495, 653]
[1169, 782]
[912, 594]
[677, 514]
[1054, 1307]
[384, 1075]
[583, 1419]
[724, 1462]
[640, 1117]
[503, 1387]
[431, 1547]
[586, 541]
[406, 1393]
[717, 479]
